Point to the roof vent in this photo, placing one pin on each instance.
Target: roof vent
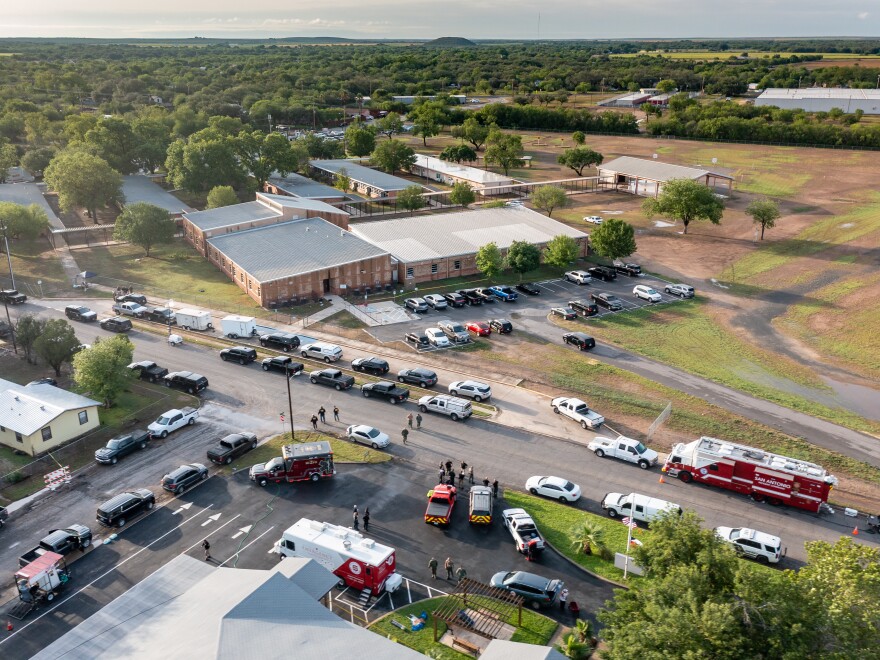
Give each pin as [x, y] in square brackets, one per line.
[346, 544]
[43, 408]
[16, 398]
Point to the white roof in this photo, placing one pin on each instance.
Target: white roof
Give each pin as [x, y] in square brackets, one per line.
[28, 408]
[725, 449]
[501, 649]
[440, 235]
[464, 172]
[821, 93]
[342, 540]
[653, 170]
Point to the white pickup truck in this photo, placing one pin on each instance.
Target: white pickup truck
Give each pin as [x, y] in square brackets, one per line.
[523, 530]
[626, 449]
[130, 309]
[171, 421]
[578, 411]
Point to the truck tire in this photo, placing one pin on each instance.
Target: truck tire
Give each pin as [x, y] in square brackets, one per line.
[263, 481]
[85, 544]
[644, 464]
[612, 513]
[583, 425]
[186, 327]
[150, 504]
[204, 475]
[191, 421]
[393, 402]
[50, 596]
[120, 522]
[190, 390]
[163, 435]
[423, 408]
[327, 360]
[315, 477]
[167, 383]
[562, 499]
[454, 417]
[152, 379]
[254, 444]
[366, 393]
[422, 384]
[114, 460]
[556, 409]
[313, 380]
[265, 367]
[241, 361]
[453, 392]
[400, 379]
[232, 335]
[686, 477]
[286, 349]
[228, 460]
[533, 491]
[600, 453]
[304, 354]
[143, 444]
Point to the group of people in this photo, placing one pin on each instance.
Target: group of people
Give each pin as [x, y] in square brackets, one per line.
[409, 424]
[356, 518]
[447, 476]
[322, 416]
[449, 565]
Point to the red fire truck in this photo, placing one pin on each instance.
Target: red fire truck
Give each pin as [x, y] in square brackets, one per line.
[359, 562]
[754, 472]
[312, 461]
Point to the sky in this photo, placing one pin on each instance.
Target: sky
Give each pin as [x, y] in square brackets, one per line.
[420, 19]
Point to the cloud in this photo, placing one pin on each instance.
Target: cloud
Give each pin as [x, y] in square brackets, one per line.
[862, 15]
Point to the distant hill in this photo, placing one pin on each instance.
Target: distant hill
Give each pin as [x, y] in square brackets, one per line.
[451, 42]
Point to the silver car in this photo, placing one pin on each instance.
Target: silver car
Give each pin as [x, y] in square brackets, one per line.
[471, 389]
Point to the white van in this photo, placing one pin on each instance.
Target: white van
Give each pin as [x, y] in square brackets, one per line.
[638, 507]
[763, 547]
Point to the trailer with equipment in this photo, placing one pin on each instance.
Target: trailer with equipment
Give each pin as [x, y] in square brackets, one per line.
[39, 582]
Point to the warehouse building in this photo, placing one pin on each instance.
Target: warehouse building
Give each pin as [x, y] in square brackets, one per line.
[436, 247]
[296, 185]
[823, 99]
[481, 182]
[140, 188]
[364, 180]
[639, 176]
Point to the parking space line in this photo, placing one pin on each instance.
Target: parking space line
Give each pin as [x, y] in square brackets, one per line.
[235, 556]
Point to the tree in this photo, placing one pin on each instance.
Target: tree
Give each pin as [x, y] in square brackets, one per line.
[393, 155]
[458, 153]
[462, 194]
[262, 154]
[57, 343]
[317, 147]
[561, 250]
[8, 159]
[221, 196]
[103, 369]
[428, 119]
[504, 150]
[548, 198]
[389, 125]
[472, 131]
[580, 158]
[589, 538]
[28, 329]
[578, 138]
[145, 225]
[613, 239]
[572, 647]
[81, 179]
[666, 86]
[489, 260]
[410, 198]
[113, 140]
[360, 140]
[342, 180]
[152, 133]
[523, 257]
[685, 200]
[18, 221]
[37, 160]
[204, 160]
[764, 212]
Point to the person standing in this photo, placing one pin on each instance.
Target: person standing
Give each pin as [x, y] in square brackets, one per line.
[464, 466]
[322, 415]
[449, 467]
[335, 413]
[433, 566]
[563, 598]
[471, 474]
[409, 419]
[461, 574]
[449, 566]
[355, 522]
[442, 475]
[461, 479]
[355, 509]
[207, 547]
[495, 489]
[367, 519]
[486, 482]
[419, 420]
[405, 435]
[315, 422]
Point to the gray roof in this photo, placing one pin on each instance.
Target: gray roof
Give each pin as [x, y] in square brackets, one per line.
[844, 93]
[140, 188]
[28, 408]
[361, 174]
[296, 184]
[473, 174]
[452, 234]
[27, 194]
[231, 215]
[653, 170]
[300, 203]
[501, 649]
[293, 248]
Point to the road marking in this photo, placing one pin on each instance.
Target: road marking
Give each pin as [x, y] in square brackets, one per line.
[249, 544]
[185, 507]
[243, 530]
[211, 519]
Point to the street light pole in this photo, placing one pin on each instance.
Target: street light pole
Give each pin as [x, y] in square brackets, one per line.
[290, 407]
[11, 327]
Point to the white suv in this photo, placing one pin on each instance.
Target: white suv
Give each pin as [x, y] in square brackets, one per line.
[594, 219]
[321, 351]
[578, 277]
[436, 337]
[646, 293]
[470, 388]
[765, 548]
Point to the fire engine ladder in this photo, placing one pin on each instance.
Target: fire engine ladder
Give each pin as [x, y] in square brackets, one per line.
[364, 598]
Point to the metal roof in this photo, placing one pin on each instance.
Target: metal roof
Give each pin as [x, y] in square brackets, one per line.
[452, 234]
[298, 203]
[27, 194]
[296, 184]
[653, 170]
[472, 174]
[844, 93]
[28, 408]
[365, 175]
[293, 248]
[501, 649]
[231, 215]
[140, 188]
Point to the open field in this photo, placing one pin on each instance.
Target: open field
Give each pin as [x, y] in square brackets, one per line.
[837, 58]
[33, 261]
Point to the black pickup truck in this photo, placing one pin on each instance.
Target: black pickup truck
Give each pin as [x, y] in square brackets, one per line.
[387, 389]
[122, 445]
[147, 370]
[633, 270]
[231, 447]
[161, 315]
[12, 297]
[61, 541]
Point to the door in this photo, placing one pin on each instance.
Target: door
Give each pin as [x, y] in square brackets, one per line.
[326, 285]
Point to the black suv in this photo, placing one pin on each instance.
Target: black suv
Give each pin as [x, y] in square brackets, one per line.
[501, 326]
[603, 273]
[418, 376]
[471, 296]
[283, 363]
[138, 298]
[332, 377]
[148, 370]
[184, 477]
[583, 307]
[583, 341]
[283, 340]
[240, 354]
[80, 313]
[370, 365]
[186, 381]
[528, 288]
[122, 445]
[116, 324]
[115, 511]
[161, 315]
[455, 299]
[608, 300]
[12, 297]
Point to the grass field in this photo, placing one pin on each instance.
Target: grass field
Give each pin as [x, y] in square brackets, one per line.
[343, 451]
[35, 260]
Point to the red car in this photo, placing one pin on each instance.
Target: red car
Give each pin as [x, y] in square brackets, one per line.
[479, 328]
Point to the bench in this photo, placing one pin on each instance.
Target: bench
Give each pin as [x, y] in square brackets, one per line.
[466, 646]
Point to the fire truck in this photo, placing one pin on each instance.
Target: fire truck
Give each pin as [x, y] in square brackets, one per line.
[357, 561]
[765, 477]
[312, 461]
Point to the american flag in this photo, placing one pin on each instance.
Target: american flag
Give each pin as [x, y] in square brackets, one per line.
[629, 522]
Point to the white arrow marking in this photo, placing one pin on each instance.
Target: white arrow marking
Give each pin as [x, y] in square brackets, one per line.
[243, 530]
[211, 519]
[182, 508]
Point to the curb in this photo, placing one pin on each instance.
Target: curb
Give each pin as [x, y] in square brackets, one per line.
[585, 570]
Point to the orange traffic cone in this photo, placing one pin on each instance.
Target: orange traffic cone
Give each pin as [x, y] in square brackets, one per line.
[661, 479]
[856, 531]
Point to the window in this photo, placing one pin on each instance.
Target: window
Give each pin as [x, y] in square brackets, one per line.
[83, 417]
[410, 273]
[433, 268]
[249, 284]
[241, 277]
[47, 433]
[18, 437]
[456, 265]
[258, 291]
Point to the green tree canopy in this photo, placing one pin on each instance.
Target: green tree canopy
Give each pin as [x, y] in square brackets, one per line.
[389, 125]
[82, 179]
[28, 329]
[411, 198]
[685, 200]
[8, 159]
[393, 155]
[317, 147]
[113, 140]
[504, 150]
[462, 194]
[523, 257]
[578, 137]
[579, 159]
[613, 239]
[342, 180]
[221, 196]
[152, 134]
[764, 212]
[548, 198]
[360, 140]
[144, 225]
[57, 343]
[472, 131]
[666, 86]
[37, 160]
[489, 260]
[18, 221]
[204, 160]
[262, 154]
[561, 251]
[103, 369]
[428, 119]
[458, 153]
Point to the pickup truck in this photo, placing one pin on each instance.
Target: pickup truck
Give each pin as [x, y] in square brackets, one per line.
[12, 297]
[130, 309]
[505, 293]
[578, 411]
[386, 388]
[122, 445]
[161, 315]
[633, 270]
[448, 405]
[523, 530]
[333, 378]
[171, 421]
[626, 449]
[441, 501]
[60, 541]
[148, 370]
[231, 447]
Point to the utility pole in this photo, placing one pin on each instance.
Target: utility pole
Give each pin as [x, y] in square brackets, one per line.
[290, 407]
[8, 256]
[11, 327]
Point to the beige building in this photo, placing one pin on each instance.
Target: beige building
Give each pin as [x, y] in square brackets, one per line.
[37, 418]
[364, 180]
[482, 182]
[639, 176]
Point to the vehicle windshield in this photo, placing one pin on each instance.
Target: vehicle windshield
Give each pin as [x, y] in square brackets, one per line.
[568, 486]
[640, 448]
[115, 443]
[650, 292]
[163, 420]
[609, 297]
[274, 464]
[372, 433]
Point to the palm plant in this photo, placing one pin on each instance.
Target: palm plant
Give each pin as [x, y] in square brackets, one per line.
[589, 536]
[572, 647]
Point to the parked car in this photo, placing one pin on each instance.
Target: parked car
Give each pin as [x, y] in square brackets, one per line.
[633, 270]
[436, 337]
[436, 301]
[593, 219]
[116, 324]
[584, 307]
[602, 273]
[285, 341]
[455, 299]
[454, 331]
[385, 388]
[130, 309]
[485, 294]
[763, 547]
[370, 365]
[231, 447]
[501, 326]
[556, 488]
[12, 297]
[578, 277]
[566, 313]
[80, 313]
[122, 445]
[417, 339]
[187, 381]
[138, 298]
[680, 290]
[368, 435]
[646, 293]
[470, 295]
[417, 305]
[125, 506]
[505, 293]
[470, 388]
[44, 381]
[529, 289]
[479, 328]
[537, 591]
[582, 340]
[161, 315]
[148, 370]
[241, 354]
[608, 300]
[283, 363]
[183, 477]
[418, 376]
[321, 351]
[577, 410]
[333, 378]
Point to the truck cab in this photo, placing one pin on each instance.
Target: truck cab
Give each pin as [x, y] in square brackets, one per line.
[172, 420]
[60, 541]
